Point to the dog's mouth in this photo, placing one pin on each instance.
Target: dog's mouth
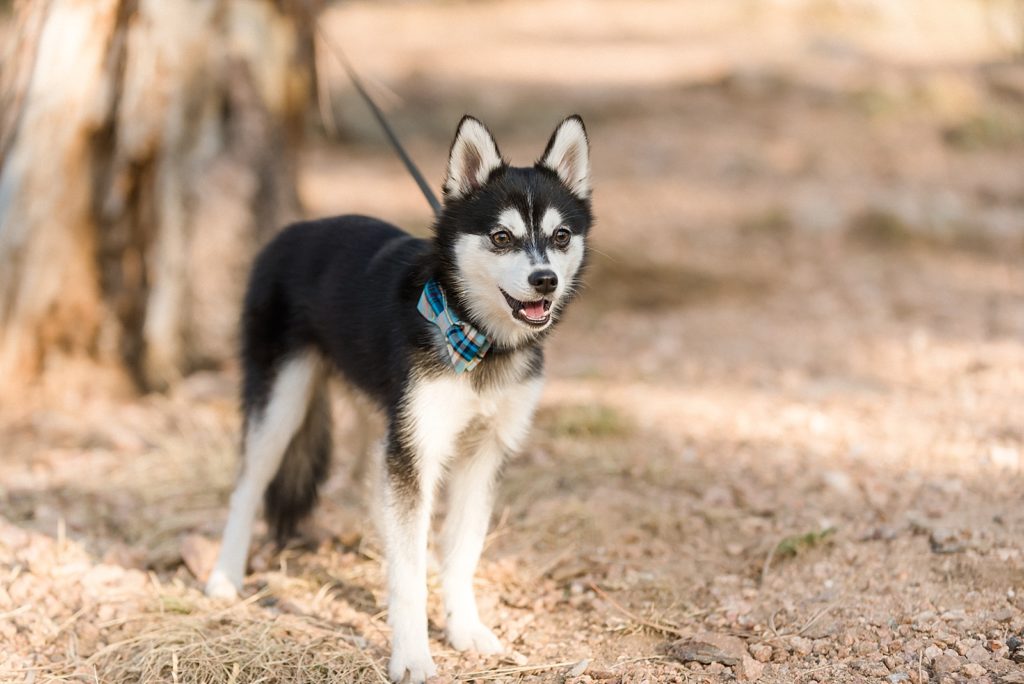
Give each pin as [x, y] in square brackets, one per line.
[536, 313]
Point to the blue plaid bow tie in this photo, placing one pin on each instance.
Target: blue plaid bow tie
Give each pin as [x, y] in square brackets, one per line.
[467, 346]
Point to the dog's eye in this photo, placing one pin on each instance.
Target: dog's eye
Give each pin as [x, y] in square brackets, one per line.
[562, 236]
[501, 238]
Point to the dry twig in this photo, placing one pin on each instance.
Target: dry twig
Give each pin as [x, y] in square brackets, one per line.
[656, 626]
[521, 669]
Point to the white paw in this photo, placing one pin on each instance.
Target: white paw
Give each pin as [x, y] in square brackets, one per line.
[420, 666]
[220, 587]
[472, 635]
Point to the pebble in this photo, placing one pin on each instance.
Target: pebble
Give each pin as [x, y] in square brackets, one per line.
[924, 617]
[897, 677]
[750, 670]
[801, 646]
[977, 654]
[945, 663]
[955, 615]
[945, 540]
[932, 652]
[822, 629]
[762, 652]
[1004, 615]
[974, 670]
[871, 668]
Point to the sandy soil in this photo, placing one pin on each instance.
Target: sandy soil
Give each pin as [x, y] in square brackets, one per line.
[782, 436]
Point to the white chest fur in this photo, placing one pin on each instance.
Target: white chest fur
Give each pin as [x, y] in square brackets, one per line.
[439, 409]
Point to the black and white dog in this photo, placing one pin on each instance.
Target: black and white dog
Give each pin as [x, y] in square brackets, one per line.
[444, 335]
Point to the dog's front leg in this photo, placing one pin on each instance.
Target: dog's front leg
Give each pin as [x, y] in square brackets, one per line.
[470, 494]
[421, 439]
[465, 527]
[408, 494]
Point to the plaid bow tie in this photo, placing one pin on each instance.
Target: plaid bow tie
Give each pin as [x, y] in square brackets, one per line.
[467, 346]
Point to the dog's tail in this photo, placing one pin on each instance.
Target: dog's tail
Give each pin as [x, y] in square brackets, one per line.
[292, 494]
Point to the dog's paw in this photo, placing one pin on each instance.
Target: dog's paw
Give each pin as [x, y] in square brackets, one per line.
[472, 635]
[220, 587]
[420, 666]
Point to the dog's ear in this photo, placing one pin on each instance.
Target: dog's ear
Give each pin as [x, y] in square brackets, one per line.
[474, 155]
[568, 155]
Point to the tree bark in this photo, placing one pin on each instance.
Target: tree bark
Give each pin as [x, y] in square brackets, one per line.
[149, 147]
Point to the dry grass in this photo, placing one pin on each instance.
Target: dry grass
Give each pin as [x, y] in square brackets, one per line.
[998, 128]
[650, 286]
[881, 229]
[233, 646]
[587, 421]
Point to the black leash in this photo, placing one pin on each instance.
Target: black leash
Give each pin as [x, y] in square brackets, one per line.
[339, 54]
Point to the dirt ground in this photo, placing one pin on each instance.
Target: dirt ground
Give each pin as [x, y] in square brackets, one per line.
[783, 432]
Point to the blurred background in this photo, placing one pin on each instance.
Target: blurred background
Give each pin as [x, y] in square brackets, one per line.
[793, 387]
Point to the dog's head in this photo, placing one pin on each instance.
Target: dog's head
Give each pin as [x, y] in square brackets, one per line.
[513, 241]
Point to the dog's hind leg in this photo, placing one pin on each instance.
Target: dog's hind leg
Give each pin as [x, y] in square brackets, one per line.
[470, 493]
[268, 433]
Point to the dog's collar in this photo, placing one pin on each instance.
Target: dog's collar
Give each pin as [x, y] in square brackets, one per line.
[467, 346]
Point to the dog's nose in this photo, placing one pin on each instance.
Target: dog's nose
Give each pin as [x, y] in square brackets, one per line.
[544, 281]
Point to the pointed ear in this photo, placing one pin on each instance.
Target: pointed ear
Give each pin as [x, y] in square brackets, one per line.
[568, 155]
[474, 155]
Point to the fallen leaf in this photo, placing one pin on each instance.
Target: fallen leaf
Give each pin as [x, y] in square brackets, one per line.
[707, 648]
[579, 668]
[199, 555]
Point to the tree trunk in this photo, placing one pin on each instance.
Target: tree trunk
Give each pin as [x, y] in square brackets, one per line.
[148, 149]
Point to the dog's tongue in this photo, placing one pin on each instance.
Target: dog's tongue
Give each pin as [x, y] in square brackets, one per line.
[534, 310]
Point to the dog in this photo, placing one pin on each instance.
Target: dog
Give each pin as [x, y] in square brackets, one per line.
[445, 335]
